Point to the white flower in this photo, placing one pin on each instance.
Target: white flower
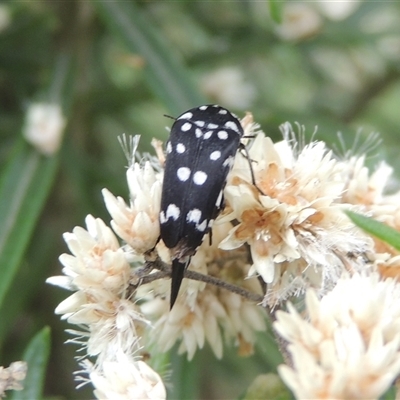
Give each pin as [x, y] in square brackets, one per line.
[361, 187]
[338, 10]
[243, 319]
[112, 325]
[123, 378]
[213, 315]
[367, 190]
[11, 377]
[137, 224]
[99, 275]
[228, 86]
[97, 261]
[298, 234]
[300, 21]
[205, 313]
[193, 325]
[44, 127]
[349, 346]
[292, 223]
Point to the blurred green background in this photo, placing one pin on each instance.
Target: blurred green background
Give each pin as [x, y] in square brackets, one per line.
[117, 67]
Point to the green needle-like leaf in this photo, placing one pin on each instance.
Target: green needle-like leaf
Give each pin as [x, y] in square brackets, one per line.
[24, 186]
[165, 74]
[276, 9]
[376, 228]
[36, 355]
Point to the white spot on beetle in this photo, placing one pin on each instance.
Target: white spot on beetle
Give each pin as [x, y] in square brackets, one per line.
[199, 133]
[223, 111]
[186, 126]
[183, 173]
[199, 177]
[173, 212]
[212, 126]
[232, 125]
[180, 148]
[193, 215]
[202, 227]
[203, 108]
[208, 134]
[169, 148]
[187, 115]
[215, 155]
[200, 123]
[223, 135]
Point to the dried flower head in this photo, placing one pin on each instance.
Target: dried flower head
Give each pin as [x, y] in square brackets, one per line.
[11, 377]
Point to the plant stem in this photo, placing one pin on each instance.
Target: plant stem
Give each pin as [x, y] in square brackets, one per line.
[164, 270]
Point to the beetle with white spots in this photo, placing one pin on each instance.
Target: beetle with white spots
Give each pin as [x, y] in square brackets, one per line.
[200, 152]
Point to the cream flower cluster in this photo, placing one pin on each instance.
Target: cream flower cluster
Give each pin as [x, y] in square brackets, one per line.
[98, 272]
[291, 223]
[137, 223]
[299, 236]
[210, 315]
[348, 344]
[125, 379]
[368, 192]
[204, 313]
